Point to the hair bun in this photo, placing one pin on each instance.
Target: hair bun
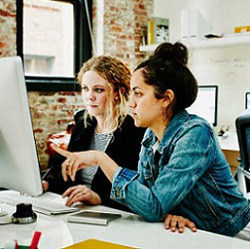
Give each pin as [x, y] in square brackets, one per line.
[172, 52]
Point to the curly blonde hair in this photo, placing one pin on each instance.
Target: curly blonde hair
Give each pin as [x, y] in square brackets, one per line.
[117, 76]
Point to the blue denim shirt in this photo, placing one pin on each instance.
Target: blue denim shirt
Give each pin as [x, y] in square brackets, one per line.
[188, 175]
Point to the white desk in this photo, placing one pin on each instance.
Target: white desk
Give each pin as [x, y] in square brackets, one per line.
[129, 230]
[230, 142]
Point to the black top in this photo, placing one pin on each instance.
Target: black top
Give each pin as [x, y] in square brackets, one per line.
[124, 149]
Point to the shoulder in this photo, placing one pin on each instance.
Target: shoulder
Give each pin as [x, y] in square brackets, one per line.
[195, 121]
[197, 129]
[78, 115]
[79, 118]
[80, 128]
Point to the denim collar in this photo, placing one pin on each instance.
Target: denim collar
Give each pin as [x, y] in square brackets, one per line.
[170, 132]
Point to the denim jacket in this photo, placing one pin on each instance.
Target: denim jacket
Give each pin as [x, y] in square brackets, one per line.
[188, 175]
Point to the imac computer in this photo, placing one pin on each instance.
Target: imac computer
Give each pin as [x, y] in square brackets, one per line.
[205, 104]
[19, 165]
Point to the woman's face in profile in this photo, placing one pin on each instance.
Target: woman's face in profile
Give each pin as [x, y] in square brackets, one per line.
[146, 109]
[95, 93]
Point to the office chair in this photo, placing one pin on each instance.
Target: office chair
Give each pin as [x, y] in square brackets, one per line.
[243, 133]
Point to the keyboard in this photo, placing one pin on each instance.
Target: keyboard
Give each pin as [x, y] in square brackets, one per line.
[48, 203]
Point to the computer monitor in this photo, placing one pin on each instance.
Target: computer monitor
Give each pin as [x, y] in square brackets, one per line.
[19, 165]
[205, 104]
[247, 100]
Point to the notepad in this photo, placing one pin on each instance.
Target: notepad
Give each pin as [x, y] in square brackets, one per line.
[93, 217]
[97, 244]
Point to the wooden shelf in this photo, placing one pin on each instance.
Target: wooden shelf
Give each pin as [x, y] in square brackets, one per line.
[230, 40]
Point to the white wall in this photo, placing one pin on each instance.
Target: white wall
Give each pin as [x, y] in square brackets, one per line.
[227, 67]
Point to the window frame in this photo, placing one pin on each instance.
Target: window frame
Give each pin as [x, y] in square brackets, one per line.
[82, 49]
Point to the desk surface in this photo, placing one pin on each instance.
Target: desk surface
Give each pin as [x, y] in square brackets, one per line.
[129, 230]
[229, 142]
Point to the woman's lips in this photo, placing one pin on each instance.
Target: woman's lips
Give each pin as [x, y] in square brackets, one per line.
[92, 105]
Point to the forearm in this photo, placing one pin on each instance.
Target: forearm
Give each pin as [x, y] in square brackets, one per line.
[128, 189]
[107, 165]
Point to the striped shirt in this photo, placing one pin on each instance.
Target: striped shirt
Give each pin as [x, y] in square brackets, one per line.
[98, 142]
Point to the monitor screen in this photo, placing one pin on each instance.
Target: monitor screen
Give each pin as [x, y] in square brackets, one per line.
[19, 166]
[247, 100]
[205, 104]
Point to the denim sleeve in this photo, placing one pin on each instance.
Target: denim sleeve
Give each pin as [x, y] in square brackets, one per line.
[128, 189]
[190, 158]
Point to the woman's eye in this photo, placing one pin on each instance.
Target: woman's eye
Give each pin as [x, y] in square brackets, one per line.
[99, 90]
[138, 94]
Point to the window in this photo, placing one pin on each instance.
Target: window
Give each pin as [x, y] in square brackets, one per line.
[53, 40]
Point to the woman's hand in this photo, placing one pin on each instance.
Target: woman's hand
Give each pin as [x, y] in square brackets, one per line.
[79, 160]
[174, 221]
[45, 186]
[81, 193]
[75, 161]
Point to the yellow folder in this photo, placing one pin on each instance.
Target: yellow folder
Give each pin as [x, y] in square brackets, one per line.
[97, 244]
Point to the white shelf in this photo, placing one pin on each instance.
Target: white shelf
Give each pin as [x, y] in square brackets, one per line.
[148, 48]
[231, 40]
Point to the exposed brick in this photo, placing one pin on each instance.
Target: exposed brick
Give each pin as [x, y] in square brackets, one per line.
[6, 14]
[112, 8]
[62, 100]
[141, 6]
[63, 121]
[38, 130]
[116, 29]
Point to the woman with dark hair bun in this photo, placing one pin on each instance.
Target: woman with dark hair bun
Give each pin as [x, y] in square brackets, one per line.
[181, 169]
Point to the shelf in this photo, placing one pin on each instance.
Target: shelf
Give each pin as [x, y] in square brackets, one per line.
[230, 40]
[148, 48]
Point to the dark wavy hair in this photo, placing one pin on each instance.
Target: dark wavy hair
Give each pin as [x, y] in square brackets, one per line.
[167, 69]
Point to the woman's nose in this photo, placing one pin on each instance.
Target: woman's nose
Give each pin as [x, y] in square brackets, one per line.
[90, 95]
[131, 102]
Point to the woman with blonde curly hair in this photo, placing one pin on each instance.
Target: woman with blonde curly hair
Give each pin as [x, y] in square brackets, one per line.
[103, 125]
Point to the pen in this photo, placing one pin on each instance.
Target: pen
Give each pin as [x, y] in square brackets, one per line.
[35, 240]
[46, 173]
[16, 245]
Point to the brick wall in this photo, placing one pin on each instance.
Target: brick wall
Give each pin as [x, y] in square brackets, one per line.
[124, 21]
[7, 28]
[51, 112]
[121, 26]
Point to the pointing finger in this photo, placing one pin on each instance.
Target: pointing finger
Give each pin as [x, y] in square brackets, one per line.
[60, 151]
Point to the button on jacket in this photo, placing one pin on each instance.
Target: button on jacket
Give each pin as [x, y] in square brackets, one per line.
[188, 175]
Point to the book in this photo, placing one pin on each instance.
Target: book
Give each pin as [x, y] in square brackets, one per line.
[150, 32]
[93, 217]
[97, 244]
[158, 30]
